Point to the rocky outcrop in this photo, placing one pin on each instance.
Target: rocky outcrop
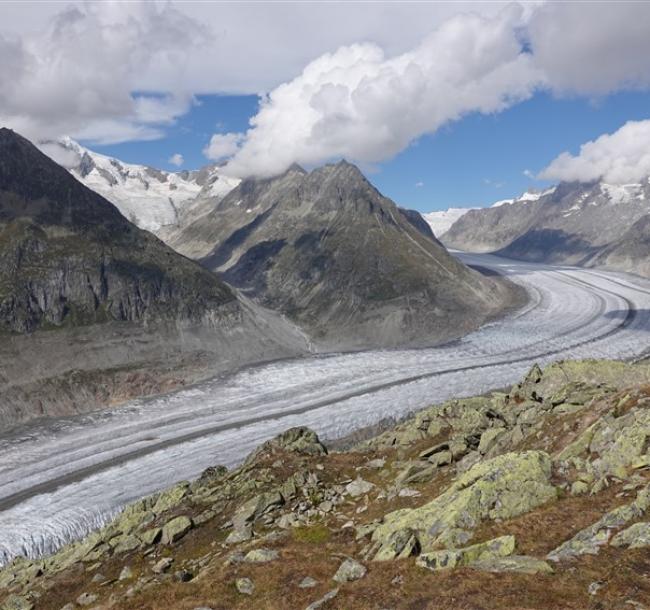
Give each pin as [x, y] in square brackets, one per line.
[543, 494]
[501, 488]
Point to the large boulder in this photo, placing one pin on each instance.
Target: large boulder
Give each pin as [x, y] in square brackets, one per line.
[175, 529]
[500, 488]
[295, 440]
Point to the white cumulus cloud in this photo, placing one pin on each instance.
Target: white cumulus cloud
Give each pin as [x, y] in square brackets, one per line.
[618, 158]
[223, 145]
[359, 104]
[592, 48]
[100, 71]
[176, 159]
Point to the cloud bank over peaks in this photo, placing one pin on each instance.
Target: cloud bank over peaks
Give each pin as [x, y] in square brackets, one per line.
[358, 104]
[622, 157]
[91, 72]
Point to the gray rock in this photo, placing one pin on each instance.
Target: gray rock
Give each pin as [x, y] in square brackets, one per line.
[241, 534]
[358, 487]
[245, 586]
[86, 599]
[261, 556]
[126, 573]
[163, 565]
[349, 571]
[307, 583]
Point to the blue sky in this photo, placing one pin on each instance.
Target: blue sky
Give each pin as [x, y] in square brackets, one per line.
[474, 161]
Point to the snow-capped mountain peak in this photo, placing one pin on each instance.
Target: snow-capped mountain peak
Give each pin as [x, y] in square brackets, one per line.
[526, 197]
[151, 198]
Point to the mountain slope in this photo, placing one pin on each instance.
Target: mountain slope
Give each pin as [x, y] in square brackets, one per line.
[630, 253]
[148, 197]
[570, 224]
[71, 264]
[328, 250]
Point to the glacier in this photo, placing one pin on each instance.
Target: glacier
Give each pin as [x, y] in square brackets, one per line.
[61, 479]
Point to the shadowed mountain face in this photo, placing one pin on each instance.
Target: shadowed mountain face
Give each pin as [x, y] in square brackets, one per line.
[571, 224]
[329, 251]
[69, 257]
[630, 253]
[125, 314]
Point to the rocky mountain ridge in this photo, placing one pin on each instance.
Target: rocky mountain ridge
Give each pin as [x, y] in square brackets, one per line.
[327, 250]
[572, 224]
[540, 493]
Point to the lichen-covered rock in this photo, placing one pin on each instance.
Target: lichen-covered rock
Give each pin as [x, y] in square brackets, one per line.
[358, 487]
[500, 488]
[151, 536]
[170, 498]
[589, 540]
[399, 545]
[488, 438]
[261, 556]
[514, 563]
[635, 537]
[454, 558]
[255, 508]
[579, 488]
[295, 440]
[17, 602]
[416, 472]
[619, 442]
[245, 586]
[349, 571]
[175, 529]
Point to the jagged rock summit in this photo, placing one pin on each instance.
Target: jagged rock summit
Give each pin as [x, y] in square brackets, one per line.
[344, 262]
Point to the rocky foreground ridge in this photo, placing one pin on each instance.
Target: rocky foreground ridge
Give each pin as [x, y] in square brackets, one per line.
[534, 498]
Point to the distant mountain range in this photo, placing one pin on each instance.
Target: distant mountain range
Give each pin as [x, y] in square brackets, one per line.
[441, 221]
[148, 197]
[595, 224]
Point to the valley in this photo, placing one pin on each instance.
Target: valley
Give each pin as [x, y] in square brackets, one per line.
[60, 480]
